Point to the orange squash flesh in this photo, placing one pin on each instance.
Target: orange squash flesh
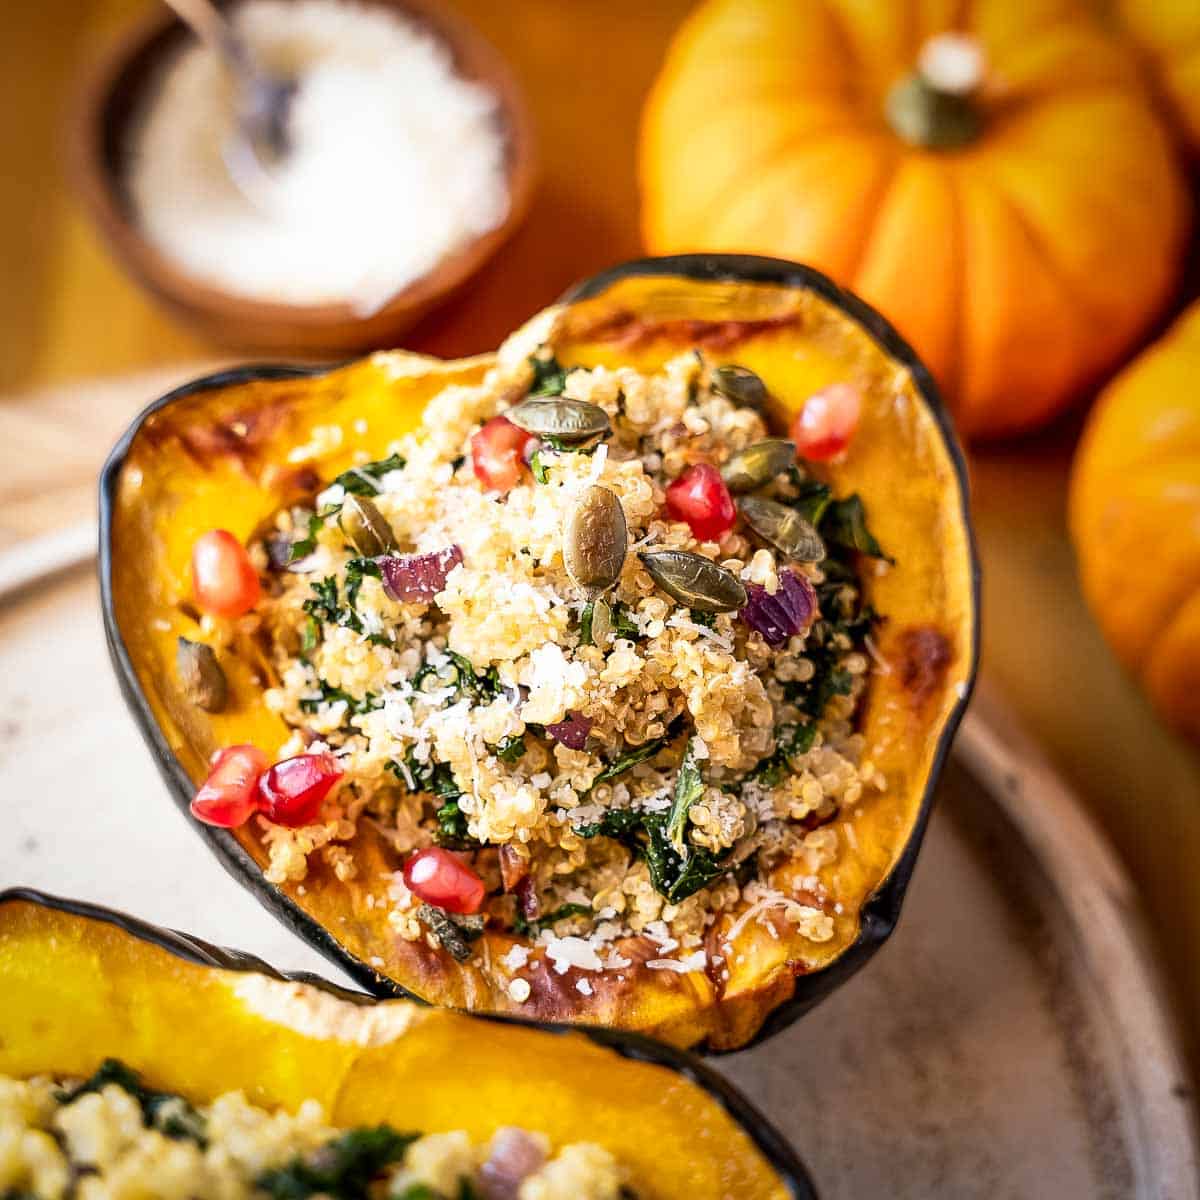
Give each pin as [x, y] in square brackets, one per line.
[78, 984]
[229, 456]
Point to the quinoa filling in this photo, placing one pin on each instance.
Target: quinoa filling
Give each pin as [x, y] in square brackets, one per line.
[595, 632]
[110, 1137]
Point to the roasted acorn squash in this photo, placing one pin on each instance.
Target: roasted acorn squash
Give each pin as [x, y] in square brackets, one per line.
[230, 450]
[79, 983]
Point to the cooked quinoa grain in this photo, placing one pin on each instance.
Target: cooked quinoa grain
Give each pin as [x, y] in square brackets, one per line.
[608, 750]
[111, 1138]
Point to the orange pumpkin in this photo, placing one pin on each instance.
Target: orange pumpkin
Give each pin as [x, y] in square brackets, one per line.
[1135, 520]
[1007, 195]
[1167, 32]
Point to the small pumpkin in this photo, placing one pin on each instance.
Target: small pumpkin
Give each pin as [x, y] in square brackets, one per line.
[79, 983]
[1135, 520]
[224, 453]
[1005, 192]
[1167, 33]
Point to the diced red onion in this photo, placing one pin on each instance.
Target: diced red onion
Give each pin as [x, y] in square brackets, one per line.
[790, 611]
[572, 730]
[514, 1156]
[418, 576]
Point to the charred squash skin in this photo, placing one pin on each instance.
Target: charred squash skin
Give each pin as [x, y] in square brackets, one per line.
[216, 454]
[79, 983]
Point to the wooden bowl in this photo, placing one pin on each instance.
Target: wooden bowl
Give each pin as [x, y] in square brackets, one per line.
[97, 151]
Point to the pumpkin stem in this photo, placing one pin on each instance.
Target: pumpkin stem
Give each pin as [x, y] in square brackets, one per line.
[935, 106]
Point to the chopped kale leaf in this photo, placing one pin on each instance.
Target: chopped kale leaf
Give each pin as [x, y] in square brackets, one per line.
[331, 695]
[689, 787]
[549, 378]
[677, 869]
[303, 547]
[510, 749]
[460, 675]
[640, 754]
[357, 569]
[812, 499]
[312, 633]
[844, 523]
[342, 1169]
[364, 480]
[677, 875]
[528, 928]
[170, 1114]
[790, 742]
[618, 823]
[323, 605]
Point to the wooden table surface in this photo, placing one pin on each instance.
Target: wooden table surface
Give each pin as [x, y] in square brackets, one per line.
[67, 314]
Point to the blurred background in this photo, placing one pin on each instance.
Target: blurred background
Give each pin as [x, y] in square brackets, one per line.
[1059, 253]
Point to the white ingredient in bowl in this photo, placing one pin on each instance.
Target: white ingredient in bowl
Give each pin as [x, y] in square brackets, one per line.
[396, 161]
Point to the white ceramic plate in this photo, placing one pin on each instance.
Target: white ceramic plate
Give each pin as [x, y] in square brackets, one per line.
[1010, 1041]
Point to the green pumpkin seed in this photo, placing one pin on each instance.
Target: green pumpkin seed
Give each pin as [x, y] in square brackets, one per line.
[740, 385]
[204, 682]
[601, 623]
[783, 527]
[366, 527]
[566, 420]
[758, 464]
[694, 580]
[595, 539]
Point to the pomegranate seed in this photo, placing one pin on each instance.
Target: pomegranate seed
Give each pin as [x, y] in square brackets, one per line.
[498, 453]
[699, 497]
[230, 793]
[224, 581]
[292, 791]
[442, 879]
[824, 426]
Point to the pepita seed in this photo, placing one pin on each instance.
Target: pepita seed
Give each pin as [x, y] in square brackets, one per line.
[740, 385]
[695, 581]
[595, 539]
[601, 623]
[757, 465]
[203, 680]
[567, 420]
[783, 527]
[366, 527]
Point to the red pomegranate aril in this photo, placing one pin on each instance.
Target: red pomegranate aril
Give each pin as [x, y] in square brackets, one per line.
[224, 581]
[441, 878]
[699, 497]
[824, 426]
[498, 454]
[229, 795]
[292, 791]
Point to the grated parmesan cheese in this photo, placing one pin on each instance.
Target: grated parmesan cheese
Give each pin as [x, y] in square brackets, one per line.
[395, 160]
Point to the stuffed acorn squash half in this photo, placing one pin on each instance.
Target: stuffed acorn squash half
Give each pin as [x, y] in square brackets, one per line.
[603, 679]
[139, 1061]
